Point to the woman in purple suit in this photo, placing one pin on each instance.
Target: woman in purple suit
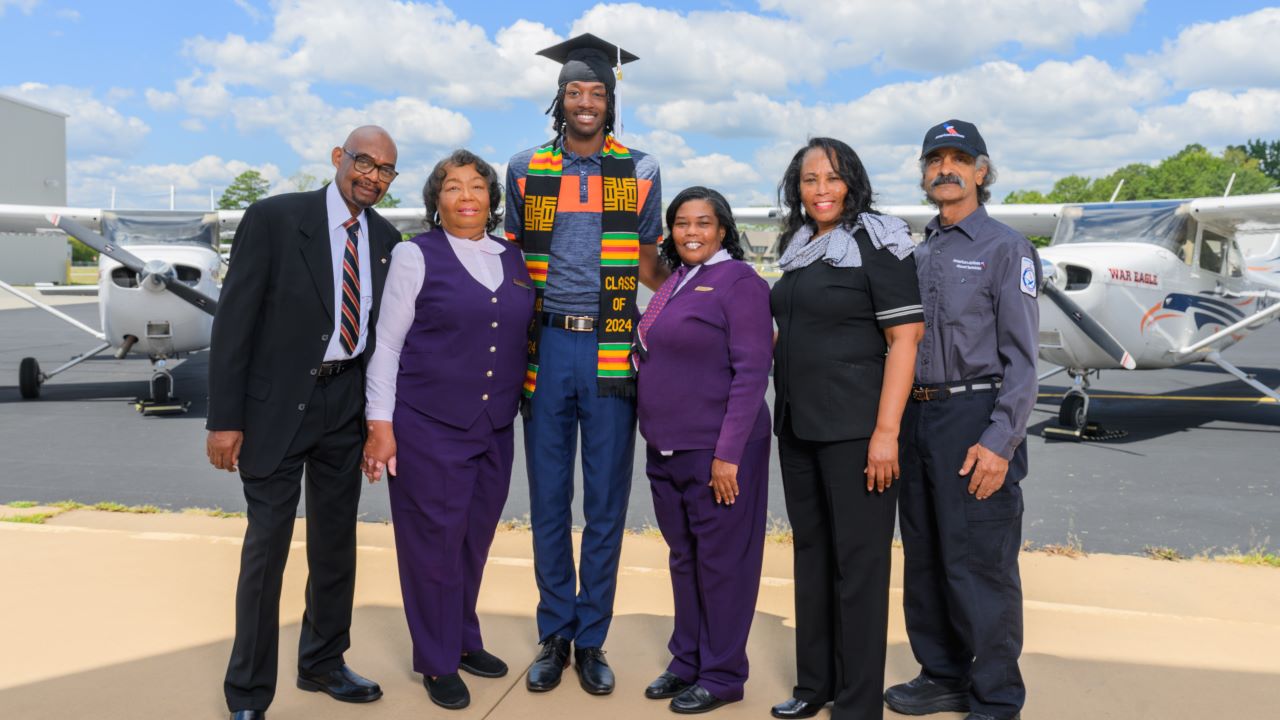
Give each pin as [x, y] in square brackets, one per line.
[443, 390]
[703, 352]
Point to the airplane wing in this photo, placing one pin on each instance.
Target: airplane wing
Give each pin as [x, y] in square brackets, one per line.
[408, 220]
[1034, 219]
[1027, 219]
[1240, 214]
[31, 218]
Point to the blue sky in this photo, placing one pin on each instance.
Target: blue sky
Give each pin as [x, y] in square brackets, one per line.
[193, 93]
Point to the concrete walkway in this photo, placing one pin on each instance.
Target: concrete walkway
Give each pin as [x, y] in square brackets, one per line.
[125, 616]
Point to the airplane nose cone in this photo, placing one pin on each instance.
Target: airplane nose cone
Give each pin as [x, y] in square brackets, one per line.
[154, 272]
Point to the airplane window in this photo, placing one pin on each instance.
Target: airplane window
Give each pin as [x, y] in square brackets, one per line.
[1212, 249]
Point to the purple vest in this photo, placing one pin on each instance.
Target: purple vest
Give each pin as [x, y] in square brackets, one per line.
[465, 354]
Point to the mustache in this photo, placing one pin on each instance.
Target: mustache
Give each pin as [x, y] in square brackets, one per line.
[947, 180]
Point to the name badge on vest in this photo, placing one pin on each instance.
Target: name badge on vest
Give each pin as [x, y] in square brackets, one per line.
[703, 288]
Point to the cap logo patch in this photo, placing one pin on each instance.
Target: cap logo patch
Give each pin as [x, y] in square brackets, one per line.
[950, 132]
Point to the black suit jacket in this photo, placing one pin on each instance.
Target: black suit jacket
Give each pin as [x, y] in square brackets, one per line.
[275, 318]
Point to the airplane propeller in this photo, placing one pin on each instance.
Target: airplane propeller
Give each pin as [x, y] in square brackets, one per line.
[1091, 328]
[153, 273]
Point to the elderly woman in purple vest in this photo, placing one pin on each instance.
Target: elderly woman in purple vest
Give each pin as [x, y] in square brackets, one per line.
[704, 346]
[443, 391]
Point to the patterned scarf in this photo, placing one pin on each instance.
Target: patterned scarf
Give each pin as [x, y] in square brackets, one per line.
[838, 247]
[619, 259]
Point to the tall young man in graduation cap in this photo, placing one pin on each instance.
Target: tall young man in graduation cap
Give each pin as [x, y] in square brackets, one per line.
[586, 211]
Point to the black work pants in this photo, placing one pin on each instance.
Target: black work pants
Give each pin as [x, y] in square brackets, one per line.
[842, 537]
[962, 595]
[328, 447]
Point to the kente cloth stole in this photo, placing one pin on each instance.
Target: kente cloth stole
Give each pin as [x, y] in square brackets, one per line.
[619, 259]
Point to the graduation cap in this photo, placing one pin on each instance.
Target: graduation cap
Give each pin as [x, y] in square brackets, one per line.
[587, 58]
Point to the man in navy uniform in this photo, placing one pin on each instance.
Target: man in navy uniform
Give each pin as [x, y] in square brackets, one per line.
[964, 453]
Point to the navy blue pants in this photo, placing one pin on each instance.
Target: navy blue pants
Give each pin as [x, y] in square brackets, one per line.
[962, 595]
[565, 403]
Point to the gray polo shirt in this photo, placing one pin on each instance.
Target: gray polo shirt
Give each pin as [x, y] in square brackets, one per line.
[978, 282]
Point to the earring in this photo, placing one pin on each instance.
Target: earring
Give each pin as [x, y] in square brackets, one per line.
[435, 219]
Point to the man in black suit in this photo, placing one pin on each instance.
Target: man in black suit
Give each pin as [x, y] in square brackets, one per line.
[286, 394]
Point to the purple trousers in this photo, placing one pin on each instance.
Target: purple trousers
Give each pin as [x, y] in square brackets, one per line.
[716, 555]
[445, 505]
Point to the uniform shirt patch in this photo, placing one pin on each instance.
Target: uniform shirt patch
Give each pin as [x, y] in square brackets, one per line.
[1027, 280]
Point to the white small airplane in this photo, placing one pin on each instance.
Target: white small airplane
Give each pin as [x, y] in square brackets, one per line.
[159, 276]
[1140, 285]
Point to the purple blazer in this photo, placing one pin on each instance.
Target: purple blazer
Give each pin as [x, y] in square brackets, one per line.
[703, 381]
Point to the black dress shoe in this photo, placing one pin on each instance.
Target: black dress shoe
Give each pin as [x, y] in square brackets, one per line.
[593, 672]
[483, 664]
[792, 708]
[448, 691]
[666, 686]
[340, 684]
[544, 673]
[695, 699]
[249, 715]
[923, 695]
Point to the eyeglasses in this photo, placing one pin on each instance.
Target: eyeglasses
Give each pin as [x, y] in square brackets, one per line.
[365, 165]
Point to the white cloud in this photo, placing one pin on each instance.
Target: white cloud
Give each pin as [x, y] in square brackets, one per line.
[192, 125]
[938, 35]
[313, 127]
[431, 53]
[249, 9]
[68, 15]
[146, 187]
[93, 127]
[1234, 53]
[161, 100]
[23, 6]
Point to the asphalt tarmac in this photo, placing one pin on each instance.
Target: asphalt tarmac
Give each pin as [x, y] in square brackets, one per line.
[1197, 471]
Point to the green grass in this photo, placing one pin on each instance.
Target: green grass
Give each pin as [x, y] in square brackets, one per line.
[22, 504]
[212, 512]
[1257, 556]
[778, 531]
[1160, 552]
[67, 505]
[120, 508]
[33, 519]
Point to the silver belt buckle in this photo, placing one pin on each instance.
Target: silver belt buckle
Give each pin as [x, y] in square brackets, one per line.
[579, 323]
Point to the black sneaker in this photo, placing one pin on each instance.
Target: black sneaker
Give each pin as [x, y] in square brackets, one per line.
[923, 696]
[448, 691]
[483, 663]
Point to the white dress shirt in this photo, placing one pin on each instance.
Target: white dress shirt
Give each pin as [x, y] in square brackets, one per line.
[480, 258]
[339, 213]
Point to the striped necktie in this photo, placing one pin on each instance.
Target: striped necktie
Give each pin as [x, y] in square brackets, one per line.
[658, 302]
[349, 328]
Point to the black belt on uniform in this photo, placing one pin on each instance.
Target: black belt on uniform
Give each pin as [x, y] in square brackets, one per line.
[335, 367]
[573, 323]
[942, 391]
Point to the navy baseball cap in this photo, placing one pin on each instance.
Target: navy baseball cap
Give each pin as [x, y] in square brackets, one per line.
[954, 133]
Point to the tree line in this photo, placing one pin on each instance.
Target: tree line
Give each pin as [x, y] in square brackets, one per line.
[1189, 173]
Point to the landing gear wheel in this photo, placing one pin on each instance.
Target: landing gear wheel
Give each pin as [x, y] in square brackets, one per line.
[161, 387]
[1072, 413]
[29, 378]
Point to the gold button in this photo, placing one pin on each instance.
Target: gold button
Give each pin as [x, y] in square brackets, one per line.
[488, 373]
[493, 324]
[484, 396]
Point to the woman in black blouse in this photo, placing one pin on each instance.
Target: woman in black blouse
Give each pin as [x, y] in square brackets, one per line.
[849, 319]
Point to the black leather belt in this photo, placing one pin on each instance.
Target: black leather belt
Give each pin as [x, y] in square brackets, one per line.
[942, 391]
[335, 367]
[573, 323]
